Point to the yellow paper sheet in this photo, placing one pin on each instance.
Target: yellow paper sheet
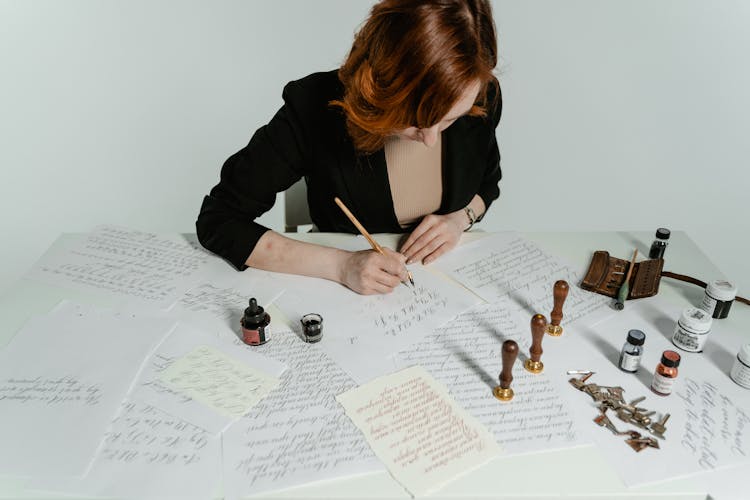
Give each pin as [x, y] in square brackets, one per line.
[417, 430]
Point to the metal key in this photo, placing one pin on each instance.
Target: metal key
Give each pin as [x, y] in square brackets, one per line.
[658, 428]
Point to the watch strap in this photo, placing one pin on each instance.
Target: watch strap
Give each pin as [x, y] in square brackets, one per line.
[472, 217]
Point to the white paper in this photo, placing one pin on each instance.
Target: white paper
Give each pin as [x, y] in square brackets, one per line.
[62, 379]
[217, 305]
[149, 454]
[727, 483]
[466, 356]
[213, 402]
[298, 434]
[424, 438]
[508, 265]
[709, 424]
[142, 267]
[361, 331]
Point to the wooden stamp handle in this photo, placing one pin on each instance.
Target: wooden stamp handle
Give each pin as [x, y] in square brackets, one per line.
[560, 293]
[510, 352]
[538, 325]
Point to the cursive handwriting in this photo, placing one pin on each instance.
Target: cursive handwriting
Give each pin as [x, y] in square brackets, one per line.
[716, 429]
[126, 262]
[416, 429]
[465, 356]
[49, 391]
[219, 302]
[416, 306]
[297, 431]
[502, 267]
[218, 381]
[143, 434]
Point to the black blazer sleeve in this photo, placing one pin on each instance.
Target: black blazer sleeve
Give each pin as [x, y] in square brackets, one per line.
[250, 179]
[489, 189]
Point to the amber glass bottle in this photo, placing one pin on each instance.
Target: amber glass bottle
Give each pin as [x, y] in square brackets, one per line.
[665, 373]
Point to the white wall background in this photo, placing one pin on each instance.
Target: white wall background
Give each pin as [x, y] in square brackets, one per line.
[618, 115]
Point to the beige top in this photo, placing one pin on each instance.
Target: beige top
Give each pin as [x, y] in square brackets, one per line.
[416, 178]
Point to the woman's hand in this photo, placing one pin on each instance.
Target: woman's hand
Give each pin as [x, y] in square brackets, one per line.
[434, 236]
[368, 272]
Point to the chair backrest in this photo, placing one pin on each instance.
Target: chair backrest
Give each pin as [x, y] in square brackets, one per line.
[296, 213]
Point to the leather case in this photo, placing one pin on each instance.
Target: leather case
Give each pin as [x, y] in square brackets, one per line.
[606, 275]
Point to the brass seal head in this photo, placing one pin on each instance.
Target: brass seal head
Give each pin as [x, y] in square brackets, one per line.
[554, 330]
[502, 394]
[533, 366]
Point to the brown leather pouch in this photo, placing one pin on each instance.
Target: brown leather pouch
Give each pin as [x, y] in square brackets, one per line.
[606, 275]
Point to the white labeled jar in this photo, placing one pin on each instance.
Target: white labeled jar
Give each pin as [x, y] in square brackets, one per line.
[692, 330]
[741, 370]
[718, 298]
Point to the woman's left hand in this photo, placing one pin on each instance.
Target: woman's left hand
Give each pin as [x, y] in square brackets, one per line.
[434, 236]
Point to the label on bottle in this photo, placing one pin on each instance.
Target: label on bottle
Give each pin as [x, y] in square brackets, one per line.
[687, 340]
[256, 337]
[708, 304]
[740, 373]
[662, 384]
[629, 362]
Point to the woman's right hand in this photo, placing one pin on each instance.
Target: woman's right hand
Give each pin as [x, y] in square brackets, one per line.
[367, 272]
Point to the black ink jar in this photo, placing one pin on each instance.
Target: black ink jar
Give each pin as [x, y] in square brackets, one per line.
[312, 327]
[660, 244]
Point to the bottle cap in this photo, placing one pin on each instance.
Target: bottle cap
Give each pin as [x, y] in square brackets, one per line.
[721, 290]
[254, 313]
[695, 320]
[744, 354]
[670, 359]
[663, 233]
[636, 337]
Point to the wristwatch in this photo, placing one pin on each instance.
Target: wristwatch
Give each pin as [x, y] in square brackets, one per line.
[472, 217]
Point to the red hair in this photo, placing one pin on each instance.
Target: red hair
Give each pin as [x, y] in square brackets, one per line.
[411, 61]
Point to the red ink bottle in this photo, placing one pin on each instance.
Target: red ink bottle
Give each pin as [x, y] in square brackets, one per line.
[665, 373]
[255, 321]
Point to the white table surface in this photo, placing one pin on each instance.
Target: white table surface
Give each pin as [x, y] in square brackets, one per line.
[579, 472]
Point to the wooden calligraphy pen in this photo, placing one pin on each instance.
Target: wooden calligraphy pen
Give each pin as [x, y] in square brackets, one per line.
[374, 244]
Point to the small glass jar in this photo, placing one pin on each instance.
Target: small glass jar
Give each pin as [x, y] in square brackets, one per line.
[665, 373]
[741, 370]
[692, 330]
[718, 298]
[660, 243]
[630, 356]
[312, 327]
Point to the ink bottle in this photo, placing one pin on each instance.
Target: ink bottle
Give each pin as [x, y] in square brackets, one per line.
[255, 321]
[741, 370]
[312, 327]
[692, 330]
[665, 373]
[718, 298]
[660, 244]
[630, 356]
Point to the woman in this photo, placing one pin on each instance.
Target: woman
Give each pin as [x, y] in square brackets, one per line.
[403, 133]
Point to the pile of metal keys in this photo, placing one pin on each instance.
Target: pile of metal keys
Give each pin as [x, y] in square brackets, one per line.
[611, 398]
